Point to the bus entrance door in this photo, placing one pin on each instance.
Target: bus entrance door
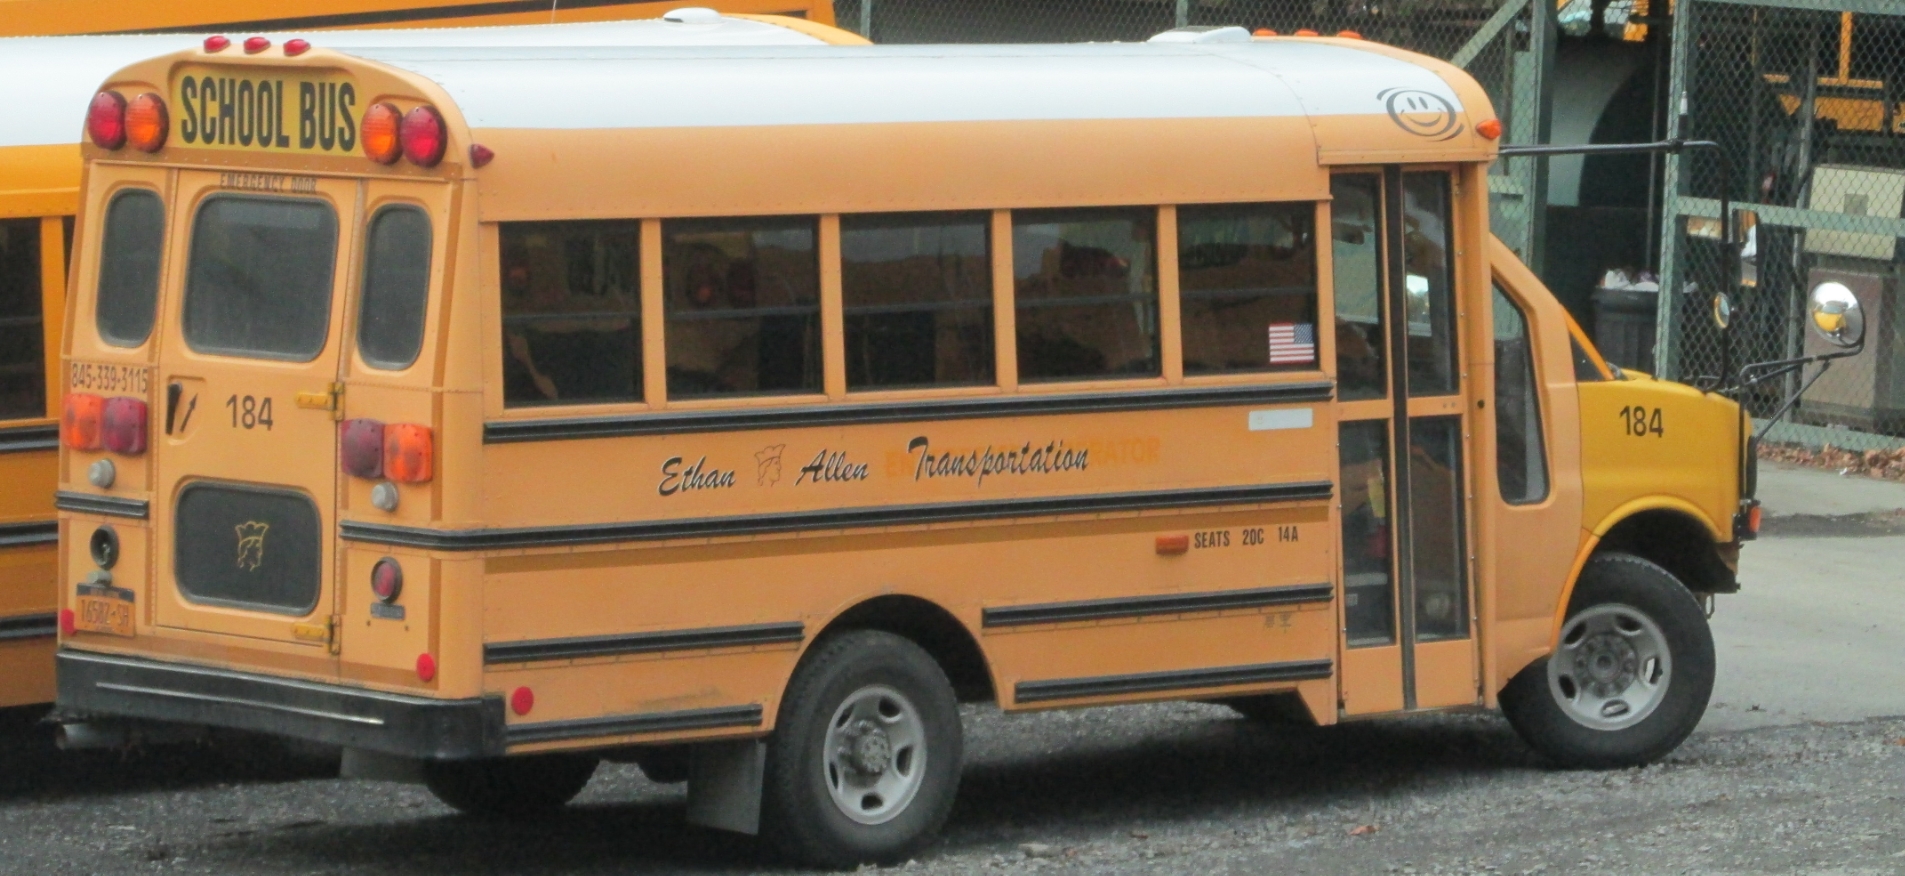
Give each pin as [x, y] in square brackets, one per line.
[1408, 639]
[248, 371]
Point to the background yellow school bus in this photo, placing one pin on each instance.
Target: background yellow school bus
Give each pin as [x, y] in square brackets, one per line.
[589, 433]
[75, 17]
[39, 193]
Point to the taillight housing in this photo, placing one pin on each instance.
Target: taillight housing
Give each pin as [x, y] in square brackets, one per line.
[79, 420]
[106, 120]
[381, 141]
[409, 453]
[147, 122]
[423, 136]
[361, 448]
[122, 425]
[401, 452]
[386, 580]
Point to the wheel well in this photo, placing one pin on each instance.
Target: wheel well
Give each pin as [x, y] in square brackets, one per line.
[1677, 543]
[933, 628]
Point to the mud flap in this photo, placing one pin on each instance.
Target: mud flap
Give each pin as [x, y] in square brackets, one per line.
[724, 785]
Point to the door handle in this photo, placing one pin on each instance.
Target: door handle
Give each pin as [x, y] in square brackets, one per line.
[172, 392]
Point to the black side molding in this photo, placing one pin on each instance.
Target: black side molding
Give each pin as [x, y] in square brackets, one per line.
[838, 518]
[645, 722]
[802, 416]
[29, 626]
[20, 439]
[100, 685]
[1182, 679]
[111, 506]
[642, 643]
[1139, 606]
[29, 533]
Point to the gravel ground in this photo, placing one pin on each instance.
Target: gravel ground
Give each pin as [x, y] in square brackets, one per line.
[1175, 788]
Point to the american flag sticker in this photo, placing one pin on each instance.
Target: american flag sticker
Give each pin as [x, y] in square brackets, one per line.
[1292, 343]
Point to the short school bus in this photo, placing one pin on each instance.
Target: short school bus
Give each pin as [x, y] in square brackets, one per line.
[549, 420]
[39, 193]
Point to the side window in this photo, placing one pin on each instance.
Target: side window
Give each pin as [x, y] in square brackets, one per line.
[259, 281]
[1247, 286]
[572, 312]
[917, 295]
[22, 347]
[1429, 281]
[1585, 371]
[396, 288]
[1087, 293]
[1356, 262]
[129, 256]
[1521, 464]
[743, 305]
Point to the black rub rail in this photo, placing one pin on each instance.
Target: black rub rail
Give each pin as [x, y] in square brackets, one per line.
[1140, 606]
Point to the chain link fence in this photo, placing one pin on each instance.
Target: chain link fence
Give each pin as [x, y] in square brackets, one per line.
[1806, 106]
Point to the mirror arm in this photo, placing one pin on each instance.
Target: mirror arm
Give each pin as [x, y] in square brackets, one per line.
[1788, 366]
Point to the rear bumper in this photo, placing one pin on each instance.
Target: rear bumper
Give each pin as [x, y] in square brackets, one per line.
[111, 686]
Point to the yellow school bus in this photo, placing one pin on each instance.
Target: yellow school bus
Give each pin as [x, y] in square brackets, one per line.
[39, 192]
[75, 17]
[491, 413]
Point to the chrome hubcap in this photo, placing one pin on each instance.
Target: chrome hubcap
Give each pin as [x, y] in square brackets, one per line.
[1612, 668]
[875, 754]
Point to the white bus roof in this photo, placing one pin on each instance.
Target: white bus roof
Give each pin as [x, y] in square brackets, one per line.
[65, 71]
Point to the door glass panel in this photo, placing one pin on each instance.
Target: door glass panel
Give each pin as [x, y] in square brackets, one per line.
[129, 268]
[396, 288]
[1435, 528]
[1356, 261]
[1429, 283]
[259, 282]
[1521, 466]
[1368, 586]
[22, 352]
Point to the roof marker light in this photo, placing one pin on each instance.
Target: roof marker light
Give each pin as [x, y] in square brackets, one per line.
[380, 126]
[147, 122]
[1306, 32]
[424, 137]
[1490, 130]
[215, 44]
[294, 48]
[106, 120]
[1349, 35]
[1263, 31]
[480, 155]
[254, 45]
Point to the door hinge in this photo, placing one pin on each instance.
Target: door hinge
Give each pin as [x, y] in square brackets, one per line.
[331, 399]
[324, 631]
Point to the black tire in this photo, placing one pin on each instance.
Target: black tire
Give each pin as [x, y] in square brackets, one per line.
[529, 786]
[1273, 710]
[1534, 703]
[799, 816]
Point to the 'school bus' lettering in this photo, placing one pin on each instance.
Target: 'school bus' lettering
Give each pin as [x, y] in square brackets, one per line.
[225, 109]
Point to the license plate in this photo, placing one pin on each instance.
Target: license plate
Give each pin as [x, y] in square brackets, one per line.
[103, 610]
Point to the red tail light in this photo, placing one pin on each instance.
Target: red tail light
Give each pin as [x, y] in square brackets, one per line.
[122, 425]
[380, 125]
[361, 448]
[106, 120]
[79, 421]
[424, 137]
[408, 453]
[147, 122]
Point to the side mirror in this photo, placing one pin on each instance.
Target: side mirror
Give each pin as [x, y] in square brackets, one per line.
[1722, 311]
[1835, 315]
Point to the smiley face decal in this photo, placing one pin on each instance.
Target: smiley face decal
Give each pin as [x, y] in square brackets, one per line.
[1421, 113]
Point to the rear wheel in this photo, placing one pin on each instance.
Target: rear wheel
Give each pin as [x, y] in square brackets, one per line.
[864, 761]
[1630, 676]
[510, 787]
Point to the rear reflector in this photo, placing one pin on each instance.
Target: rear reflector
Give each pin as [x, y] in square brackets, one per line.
[106, 120]
[123, 425]
[408, 453]
[521, 700]
[361, 448]
[79, 421]
[69, 623]
[426, 667]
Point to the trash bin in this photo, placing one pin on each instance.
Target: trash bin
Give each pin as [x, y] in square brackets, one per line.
[1624, 326]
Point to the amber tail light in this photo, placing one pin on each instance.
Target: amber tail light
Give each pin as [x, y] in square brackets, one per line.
[79, 421]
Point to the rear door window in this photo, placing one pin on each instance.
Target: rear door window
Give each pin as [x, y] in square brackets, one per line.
[129, 268]
[259, 281]
[396, 288]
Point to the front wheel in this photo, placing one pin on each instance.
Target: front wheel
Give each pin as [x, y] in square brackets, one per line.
[865, 756]
[1629, 678]
[527, 786]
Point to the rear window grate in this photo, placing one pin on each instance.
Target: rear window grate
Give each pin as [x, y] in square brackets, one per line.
[248, 547]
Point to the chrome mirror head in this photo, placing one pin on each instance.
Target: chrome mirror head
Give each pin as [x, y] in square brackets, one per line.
[1835, 315]
[1722, 311]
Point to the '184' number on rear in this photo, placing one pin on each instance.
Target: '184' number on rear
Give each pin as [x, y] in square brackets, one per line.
[250, 412]
[1642, 421]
